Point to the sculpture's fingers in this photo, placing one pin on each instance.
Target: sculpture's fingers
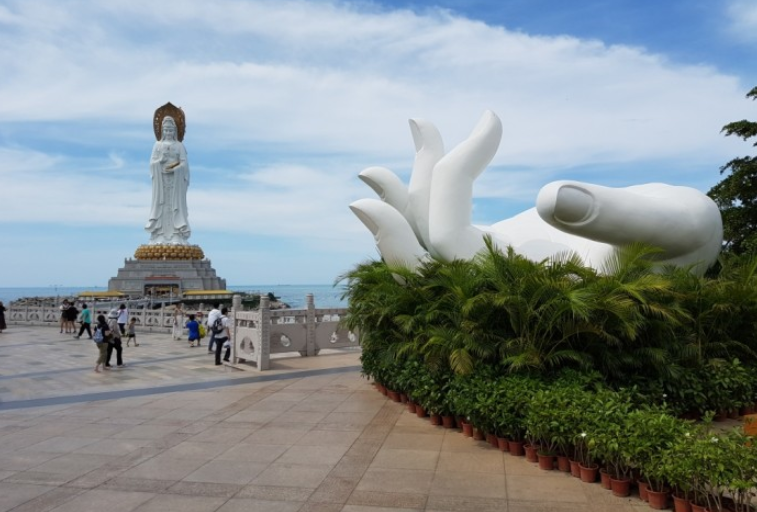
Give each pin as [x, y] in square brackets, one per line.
[429, 149]
[682, 221]
[451, 200]
[387, 186]
[394, 237]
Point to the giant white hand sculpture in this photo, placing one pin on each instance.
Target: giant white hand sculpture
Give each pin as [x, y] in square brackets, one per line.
[433, 215]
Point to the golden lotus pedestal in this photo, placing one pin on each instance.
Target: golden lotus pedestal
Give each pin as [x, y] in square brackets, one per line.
[162, 271]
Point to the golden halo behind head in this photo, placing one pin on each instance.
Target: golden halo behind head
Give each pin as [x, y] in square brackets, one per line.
[169, 109]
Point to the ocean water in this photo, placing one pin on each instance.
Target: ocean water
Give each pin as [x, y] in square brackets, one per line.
[324, 295]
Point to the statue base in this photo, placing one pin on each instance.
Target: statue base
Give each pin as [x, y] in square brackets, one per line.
[167, 271]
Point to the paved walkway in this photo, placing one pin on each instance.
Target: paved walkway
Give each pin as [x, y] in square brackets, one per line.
[173, 432]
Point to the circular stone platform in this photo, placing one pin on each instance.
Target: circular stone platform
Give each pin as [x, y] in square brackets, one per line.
[169, 252]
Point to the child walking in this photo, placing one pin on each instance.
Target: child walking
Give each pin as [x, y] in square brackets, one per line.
[131, 333]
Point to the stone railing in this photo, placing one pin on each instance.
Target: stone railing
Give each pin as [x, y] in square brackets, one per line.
[148, 320]
[264, 332]
[257, 335]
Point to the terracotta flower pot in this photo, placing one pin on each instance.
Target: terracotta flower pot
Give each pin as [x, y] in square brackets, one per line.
[448, 421]
[403, 398]
[531, 455]
[563, 463]
[589, 474]
[575, 468]
[420, 411]
[435, 419]
[410, 407]
[393, 396]
[681, 504]
[467, 429]
[658, 500]
[621, 487]
[503, 444]
[516, 448]
[604, 479]
[546, 462]
[698, 508]
[492, 440]
[643, 488]
[478, 434]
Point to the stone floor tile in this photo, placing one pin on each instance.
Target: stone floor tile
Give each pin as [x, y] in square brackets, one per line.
[290, 475]
[195, 450]
[313, 455]
[405, 459]
[48, 500]
[396, 480]
[414, 441]
[275, 493]
[152, 485]
[481, 485]
[254, 452]
[221, 490]
[147, 431]
[280, 435]
[39, 478]
[361, 508]
[15, 494]
[388, 499]
[486, 461]
[22, 460]
[164, 468]
[319, 437]
[227, 472]
[443, 503]
[110, 500]
[61, 444]
[531, 488]
[180, 503]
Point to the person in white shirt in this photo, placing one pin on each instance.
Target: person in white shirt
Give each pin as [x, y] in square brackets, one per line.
[222, 338]
[214, 313]
[123, 318]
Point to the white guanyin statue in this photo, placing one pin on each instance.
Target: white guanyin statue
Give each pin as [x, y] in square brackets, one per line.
[169, 169]
[432, 216]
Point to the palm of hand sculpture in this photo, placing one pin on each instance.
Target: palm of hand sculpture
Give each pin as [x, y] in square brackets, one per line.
[432, 216]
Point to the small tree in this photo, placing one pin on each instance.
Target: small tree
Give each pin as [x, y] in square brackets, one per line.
[736, 194]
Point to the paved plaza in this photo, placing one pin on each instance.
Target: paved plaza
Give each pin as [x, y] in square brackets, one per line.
[173, 432]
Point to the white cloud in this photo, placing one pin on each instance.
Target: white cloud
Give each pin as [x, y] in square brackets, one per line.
[743, 17]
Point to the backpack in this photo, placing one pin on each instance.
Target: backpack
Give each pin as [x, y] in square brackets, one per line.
[217, 326]
[98, 336]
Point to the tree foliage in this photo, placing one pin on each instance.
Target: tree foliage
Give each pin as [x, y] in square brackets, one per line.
[736, 194]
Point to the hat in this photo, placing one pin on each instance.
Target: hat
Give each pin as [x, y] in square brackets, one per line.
[113, 313]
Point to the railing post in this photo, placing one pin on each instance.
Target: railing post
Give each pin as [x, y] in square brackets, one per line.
[264, 333]
[310, 326]
[236, 305]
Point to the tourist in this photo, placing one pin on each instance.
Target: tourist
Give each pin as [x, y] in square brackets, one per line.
[222, 337]
[3, 309]
[102, 345]
[71, 314]
[194, 331]
[214, 313]
[131, 333]
[178, 322]
[123, 317]
[114, 343]
[64, 315]
[86, 320]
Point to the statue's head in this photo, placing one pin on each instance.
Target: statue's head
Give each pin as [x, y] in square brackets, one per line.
[168, 128]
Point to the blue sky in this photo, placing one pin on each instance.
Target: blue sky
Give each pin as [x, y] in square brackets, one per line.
[287, 101]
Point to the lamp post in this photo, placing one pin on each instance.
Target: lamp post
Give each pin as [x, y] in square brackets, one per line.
[57, 297]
